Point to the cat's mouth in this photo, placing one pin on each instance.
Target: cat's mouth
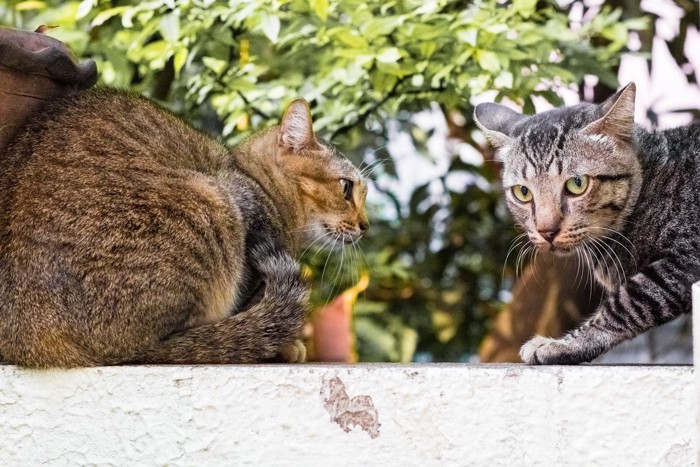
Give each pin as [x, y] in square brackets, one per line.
[337, 240]
[558, 249]
[350, 239]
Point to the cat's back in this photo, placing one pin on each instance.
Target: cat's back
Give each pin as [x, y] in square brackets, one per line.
[680, 145]
[103, 172]
[669, 202]
[108, 126]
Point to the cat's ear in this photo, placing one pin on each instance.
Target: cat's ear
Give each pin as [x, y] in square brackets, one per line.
[618, 119]
[296, 130]
[497, 122]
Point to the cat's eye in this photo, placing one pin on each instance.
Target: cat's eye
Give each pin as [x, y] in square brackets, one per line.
[347, 188]
[522, 193]
[577, 185]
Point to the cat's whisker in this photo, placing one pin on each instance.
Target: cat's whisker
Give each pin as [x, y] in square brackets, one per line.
[364, 266]
[336, 239]
[305, 229]
[366, 163]
[316, 240]
[370, 154]
[365, 260]
[538, 276]
[521, 260]
[578, 267]
[376, 163]
[367, 172]
[608, 237]
[517, 241]
[323, 238]
[517, 246]
[354, 272]
[602, 249]
[616, 260]
[604, 255]
[588, 264]
[339, 270]
[591, 269]
[328, 245]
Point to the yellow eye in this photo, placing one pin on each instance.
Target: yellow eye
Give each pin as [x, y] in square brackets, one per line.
[347, 188]
[577, 184]
[522, 193]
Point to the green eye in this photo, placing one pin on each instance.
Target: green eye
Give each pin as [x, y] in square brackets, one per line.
[522, 193]
[577, 184]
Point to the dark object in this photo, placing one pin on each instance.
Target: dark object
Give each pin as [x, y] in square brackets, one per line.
[35, 68]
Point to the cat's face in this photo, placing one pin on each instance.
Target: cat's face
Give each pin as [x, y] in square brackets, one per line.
[570, 175]
[330, 188]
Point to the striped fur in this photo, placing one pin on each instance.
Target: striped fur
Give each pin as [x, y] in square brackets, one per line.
[128, 236]
[636, 225]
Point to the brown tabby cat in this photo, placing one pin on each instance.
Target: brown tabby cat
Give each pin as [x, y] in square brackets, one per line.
[127, 236]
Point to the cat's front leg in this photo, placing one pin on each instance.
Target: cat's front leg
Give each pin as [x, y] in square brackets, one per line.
[657, 294]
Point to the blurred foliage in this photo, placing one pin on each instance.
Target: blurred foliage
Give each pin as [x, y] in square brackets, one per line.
[437, 261]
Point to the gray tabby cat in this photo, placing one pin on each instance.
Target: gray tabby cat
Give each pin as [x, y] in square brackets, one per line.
[585, 180]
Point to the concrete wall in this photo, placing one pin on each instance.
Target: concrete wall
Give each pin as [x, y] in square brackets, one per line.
[696, 355]
[315, 415]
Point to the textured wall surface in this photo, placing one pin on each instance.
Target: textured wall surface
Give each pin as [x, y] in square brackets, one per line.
[696, 356]
[337, 415]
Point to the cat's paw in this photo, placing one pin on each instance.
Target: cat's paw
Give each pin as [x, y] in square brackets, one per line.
[294, 352]
[547, 351]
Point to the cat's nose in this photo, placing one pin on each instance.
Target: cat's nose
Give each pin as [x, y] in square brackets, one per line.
[549, 234]
[364, 225]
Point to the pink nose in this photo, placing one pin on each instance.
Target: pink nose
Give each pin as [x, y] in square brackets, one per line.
[548, 234]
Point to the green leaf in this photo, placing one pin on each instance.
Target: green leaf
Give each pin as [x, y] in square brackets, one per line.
[468, 36]
[377, 27]
[215, 65]
[320, 7]
[85, 7]
[489, 61]
[270, 25]
[105, 15]
[389, 55]
[351, 38]
[504, 80]
[525, 7]
[29, 5]
[170, 27]
[637, 24]
[179, 59]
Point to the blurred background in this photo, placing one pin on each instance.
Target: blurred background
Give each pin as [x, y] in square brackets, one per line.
[393, 85]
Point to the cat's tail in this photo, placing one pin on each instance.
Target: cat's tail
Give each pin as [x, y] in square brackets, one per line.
[266, 331]
[285, 301]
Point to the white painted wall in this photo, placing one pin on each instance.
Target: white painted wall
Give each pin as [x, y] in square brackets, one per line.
[447, 415]
[696, 357]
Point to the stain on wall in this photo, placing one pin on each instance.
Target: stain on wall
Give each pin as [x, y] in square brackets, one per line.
[347, 412]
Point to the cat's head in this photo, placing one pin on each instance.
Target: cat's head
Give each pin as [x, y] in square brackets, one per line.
[571, 175]
[331, 191]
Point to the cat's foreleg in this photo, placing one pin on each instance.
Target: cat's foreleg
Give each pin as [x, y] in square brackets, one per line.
[655, 295]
